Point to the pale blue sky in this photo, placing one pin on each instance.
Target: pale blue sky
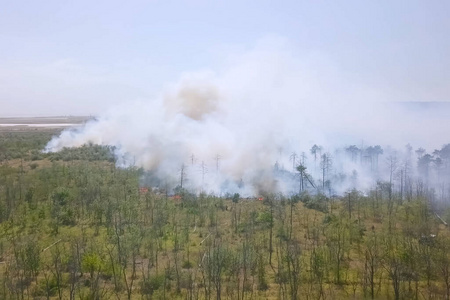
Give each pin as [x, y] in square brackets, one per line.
[78, 57]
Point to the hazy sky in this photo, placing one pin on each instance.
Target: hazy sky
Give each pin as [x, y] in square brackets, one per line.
[81, 57]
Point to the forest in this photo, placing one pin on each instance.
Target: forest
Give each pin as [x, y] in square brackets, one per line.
[73, 225]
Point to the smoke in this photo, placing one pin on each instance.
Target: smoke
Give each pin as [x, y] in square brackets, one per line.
[234, 129]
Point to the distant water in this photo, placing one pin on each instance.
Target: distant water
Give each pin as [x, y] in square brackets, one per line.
[41, 125]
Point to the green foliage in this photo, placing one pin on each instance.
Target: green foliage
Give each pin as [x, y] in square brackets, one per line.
[187, 265]
[62, 211]
[91, 263]
[84, 153]
[47, 287]
[317, 202]
[265, 218]
[77, 226]
[25, 145]
[235, 198]
[152, 284]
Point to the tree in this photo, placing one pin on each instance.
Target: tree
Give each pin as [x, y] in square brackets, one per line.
[217, 261]
[420, 152]
[442, 261]
[316, 150]
[293, 158]
[353, 152]
[374, 152]
[304, 176]
[377, 150]
[423, 165]
[235, 200]
[182, 175]
[319, 268]
[392, 163]
[325, 165]
[292, 255]
[269, 200]
[204, 170]
[337, 241]
[217, 159]
[92, 264]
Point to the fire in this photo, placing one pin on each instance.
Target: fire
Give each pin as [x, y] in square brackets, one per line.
[143, 190]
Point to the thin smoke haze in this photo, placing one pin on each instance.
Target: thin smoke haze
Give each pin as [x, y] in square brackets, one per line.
[249, 116]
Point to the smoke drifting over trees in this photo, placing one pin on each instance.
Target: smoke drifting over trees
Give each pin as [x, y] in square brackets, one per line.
[243, 123]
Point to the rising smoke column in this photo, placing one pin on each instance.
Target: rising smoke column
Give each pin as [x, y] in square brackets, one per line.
[241, 121]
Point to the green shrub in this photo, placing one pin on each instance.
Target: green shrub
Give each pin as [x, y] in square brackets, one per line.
[152, 284]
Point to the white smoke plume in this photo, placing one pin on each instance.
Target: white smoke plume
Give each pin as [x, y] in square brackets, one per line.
[228, 128]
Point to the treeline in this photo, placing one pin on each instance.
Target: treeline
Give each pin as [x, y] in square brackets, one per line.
[28, 146]
[84, 229]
